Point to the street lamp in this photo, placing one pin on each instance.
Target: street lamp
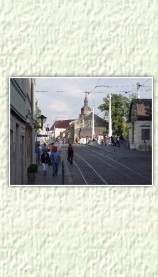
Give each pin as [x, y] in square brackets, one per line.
[43, 120]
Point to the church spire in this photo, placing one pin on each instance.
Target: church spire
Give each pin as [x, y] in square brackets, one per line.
[85, 100]
[85, 110]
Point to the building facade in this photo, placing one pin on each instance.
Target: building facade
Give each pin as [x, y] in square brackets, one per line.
[21, 128]
[59, 127]
[140, 124]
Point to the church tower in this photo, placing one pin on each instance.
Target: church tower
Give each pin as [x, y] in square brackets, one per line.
[85, 110]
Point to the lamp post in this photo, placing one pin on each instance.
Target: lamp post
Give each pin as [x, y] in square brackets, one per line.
[43, 119]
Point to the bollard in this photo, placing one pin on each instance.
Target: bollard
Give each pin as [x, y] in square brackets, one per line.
[63, 173]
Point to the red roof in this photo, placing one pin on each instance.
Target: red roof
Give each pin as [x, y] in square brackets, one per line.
[61, 124]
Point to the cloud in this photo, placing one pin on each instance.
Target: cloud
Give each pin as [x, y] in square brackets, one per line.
[59, 106]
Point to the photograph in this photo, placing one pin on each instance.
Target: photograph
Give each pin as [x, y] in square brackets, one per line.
[81, 131]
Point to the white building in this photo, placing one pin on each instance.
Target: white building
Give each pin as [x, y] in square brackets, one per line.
[140, 124]
[59, 127]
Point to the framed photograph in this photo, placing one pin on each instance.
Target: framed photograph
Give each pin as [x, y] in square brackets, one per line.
[81, 131]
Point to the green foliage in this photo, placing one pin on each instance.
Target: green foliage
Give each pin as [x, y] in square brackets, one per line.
[125, 127]
[119, 111]
[105, 132]
[37, 114]
[132, 96]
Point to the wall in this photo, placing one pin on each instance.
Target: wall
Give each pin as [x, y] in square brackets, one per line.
[17, 142]
[22, 139]
[79, 231]
[138, 142]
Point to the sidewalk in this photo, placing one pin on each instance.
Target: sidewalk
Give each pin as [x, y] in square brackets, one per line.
[55, 180]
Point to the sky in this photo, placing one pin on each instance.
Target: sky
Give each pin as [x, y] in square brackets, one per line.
[62, 98]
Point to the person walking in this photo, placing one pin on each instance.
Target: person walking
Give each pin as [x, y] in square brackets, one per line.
[45, 161]
[38, 152]
[112, 141]
[115, 140]
[53, 147]
[44, 147]
[70, 153]
[55, 156]
[121, 140]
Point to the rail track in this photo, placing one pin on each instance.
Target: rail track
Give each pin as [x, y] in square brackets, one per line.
[93, 167]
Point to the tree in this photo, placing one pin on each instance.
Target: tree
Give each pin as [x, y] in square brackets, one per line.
[37, 114]
[119, 112]
[133, 96]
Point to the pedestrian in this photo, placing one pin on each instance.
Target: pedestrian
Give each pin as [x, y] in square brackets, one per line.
[112, 141]
[44, 147]
[106, 140]
[38, 152]
[70, 153]
[115, 140]
[55, 156]
[53, 147]
[60, 144]
[121, 140]
[45, 161]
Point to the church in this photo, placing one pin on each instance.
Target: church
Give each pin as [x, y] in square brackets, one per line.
[80, 130]
[83, 127]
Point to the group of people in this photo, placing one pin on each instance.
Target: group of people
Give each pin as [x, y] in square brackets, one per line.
[53, 156]
[117, 140]
[49, 156]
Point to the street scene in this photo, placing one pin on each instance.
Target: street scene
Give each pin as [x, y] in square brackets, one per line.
[92, 131]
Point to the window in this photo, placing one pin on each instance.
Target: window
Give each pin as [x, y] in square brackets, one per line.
[145, 134]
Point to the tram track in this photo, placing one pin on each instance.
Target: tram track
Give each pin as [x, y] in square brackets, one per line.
[122, 165]
[93, 167]
[102, 178]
